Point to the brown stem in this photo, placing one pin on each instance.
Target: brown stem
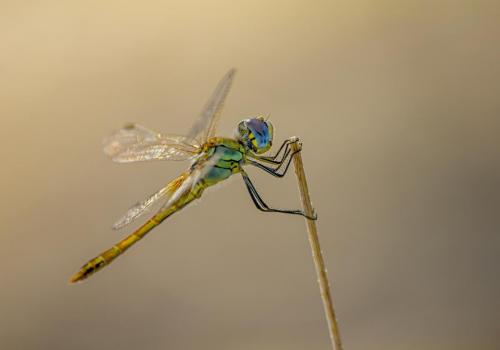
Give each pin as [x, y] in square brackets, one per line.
[319, 263]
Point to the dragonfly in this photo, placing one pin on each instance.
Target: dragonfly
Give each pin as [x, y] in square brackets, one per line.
[213, 159]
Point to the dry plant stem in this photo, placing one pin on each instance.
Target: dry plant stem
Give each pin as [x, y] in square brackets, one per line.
[319, 263]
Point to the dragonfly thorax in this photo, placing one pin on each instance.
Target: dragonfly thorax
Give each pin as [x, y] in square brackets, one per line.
[256, 134]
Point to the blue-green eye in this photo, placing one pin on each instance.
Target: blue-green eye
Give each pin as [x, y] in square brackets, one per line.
[260, 134]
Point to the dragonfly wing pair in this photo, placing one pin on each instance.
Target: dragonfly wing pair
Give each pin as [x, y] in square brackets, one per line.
[135, 143]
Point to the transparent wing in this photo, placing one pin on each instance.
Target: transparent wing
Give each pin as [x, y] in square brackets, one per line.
[135, 143]
[140, 208]
[206, 124]
[173, 191]
[197, 172]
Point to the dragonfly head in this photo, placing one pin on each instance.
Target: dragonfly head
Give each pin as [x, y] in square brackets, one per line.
[256, 134]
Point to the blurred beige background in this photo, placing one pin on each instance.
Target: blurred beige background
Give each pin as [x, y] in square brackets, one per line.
[396, 103]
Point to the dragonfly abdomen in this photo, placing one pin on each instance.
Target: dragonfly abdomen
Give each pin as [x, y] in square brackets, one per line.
[106, 257]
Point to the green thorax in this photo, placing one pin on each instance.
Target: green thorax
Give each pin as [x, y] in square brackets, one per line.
[229, 155]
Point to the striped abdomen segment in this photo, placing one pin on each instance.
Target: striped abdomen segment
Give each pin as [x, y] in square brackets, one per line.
[106, 257]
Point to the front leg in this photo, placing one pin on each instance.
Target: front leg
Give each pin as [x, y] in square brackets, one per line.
[285, 147]
[274, 171]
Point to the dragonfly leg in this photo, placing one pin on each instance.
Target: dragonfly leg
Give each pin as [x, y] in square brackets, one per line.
[275, 171]
[261, 205]
[285, 147]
